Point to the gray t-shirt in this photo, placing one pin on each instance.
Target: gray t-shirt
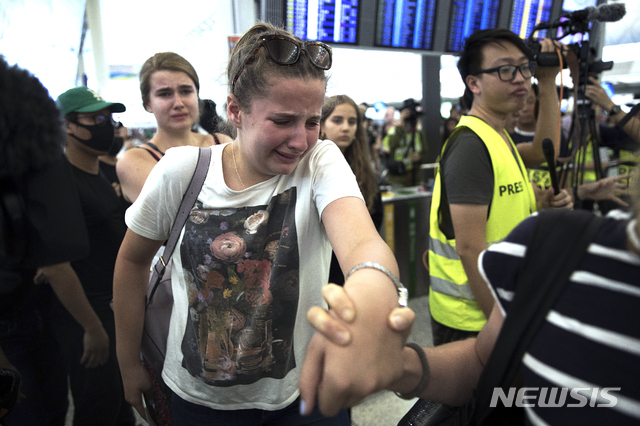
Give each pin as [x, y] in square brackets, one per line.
[467, 170]
[467, 175]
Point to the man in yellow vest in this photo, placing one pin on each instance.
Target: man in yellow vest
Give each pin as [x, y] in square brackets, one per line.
[406, 144]
[482, 190]
[624, 137]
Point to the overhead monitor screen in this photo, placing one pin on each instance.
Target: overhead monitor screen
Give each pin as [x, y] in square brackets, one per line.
[331, 21]
[526, 14]
[405, 23]
[468, 16]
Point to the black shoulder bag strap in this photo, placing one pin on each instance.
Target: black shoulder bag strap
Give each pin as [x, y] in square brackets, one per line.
[188, 200]
[560, 241]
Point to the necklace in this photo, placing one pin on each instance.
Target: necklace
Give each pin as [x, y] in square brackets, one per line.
[233, 155]
[633, 235]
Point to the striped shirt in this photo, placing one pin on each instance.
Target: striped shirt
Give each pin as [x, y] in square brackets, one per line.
[587, 352]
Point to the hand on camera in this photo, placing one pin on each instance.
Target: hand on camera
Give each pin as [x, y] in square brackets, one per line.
[597, 94]
[549, 47]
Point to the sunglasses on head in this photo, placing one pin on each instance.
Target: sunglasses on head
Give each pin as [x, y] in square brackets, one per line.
[286, 51]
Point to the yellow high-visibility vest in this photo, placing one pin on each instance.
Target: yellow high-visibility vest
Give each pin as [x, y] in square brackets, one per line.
[628, 161]
[451, 300]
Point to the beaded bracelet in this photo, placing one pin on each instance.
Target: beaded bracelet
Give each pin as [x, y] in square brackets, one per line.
[426, 373]
[403, 293]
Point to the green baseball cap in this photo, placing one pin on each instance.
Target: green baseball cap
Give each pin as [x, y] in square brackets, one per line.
[83, 99]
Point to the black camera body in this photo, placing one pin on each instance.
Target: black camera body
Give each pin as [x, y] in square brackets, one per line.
[544, 59]
[591, 68]
[595, 67]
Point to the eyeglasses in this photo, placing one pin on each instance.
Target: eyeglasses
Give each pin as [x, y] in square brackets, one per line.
[286, 51]
[508, 72]
[98, 120]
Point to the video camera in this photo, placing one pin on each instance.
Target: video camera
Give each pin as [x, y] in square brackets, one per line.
[544, 59]
[549, 59]
[573, 23]
[595, 67]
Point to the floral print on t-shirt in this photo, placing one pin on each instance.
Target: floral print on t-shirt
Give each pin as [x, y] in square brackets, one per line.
[241, 268]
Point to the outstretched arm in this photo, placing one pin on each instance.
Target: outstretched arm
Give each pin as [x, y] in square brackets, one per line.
[454, 367]
[606, 189]
[340, 374]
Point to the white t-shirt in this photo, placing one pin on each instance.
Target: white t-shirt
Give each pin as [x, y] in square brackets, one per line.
[239, 332]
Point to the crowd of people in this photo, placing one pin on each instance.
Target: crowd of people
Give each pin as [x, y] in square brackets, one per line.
[260, 333]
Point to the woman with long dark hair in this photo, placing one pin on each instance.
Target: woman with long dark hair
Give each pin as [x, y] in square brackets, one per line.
[342, 122]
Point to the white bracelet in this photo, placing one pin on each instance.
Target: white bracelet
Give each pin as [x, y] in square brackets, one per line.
[403, 293]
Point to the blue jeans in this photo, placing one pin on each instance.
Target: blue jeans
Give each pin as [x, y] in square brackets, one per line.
[188, 414]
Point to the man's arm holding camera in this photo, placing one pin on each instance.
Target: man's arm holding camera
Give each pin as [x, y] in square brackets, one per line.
[548, 120]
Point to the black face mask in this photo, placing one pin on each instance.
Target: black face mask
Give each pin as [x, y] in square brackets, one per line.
[102, 137]
[116, 146]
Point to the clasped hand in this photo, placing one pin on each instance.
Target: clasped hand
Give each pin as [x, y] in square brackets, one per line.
[358, 348]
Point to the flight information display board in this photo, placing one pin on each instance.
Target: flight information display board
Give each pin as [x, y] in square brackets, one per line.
[526, 14]
[468, 16]
[405, 23]
[331, 21]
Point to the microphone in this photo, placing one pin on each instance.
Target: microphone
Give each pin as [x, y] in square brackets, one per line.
[549, 154]
[603, 13]
[612, 12]
[589, 14]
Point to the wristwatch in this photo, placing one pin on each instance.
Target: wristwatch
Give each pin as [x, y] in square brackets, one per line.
[614, 110]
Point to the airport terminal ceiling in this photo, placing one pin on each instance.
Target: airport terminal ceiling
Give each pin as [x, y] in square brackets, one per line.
[45, 37]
